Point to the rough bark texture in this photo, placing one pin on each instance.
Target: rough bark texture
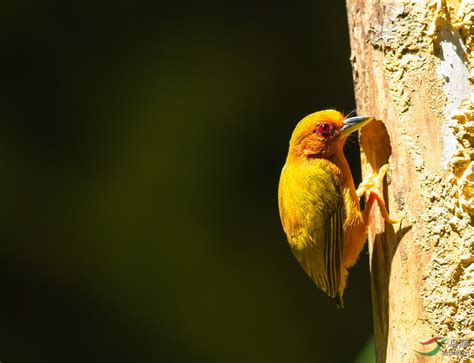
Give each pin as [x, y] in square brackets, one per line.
[413, 70]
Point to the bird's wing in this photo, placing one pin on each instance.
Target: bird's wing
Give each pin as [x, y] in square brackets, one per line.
[317, 242]
[321, 255]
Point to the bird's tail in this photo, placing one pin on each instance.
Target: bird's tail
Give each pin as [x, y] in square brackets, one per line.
[338, 300]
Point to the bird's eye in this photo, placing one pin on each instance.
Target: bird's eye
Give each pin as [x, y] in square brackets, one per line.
[325, 129]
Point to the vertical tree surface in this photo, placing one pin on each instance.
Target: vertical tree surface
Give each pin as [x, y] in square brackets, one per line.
[413, 71]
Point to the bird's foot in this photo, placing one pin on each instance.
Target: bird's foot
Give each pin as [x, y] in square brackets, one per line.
[372, 188]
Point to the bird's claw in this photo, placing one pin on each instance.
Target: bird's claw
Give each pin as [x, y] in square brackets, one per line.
[373, 183]
[372, 188]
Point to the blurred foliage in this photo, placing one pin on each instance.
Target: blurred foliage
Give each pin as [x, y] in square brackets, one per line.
[367, 354]
[140, 149]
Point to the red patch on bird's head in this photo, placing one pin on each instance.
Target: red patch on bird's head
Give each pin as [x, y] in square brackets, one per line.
[315, 136]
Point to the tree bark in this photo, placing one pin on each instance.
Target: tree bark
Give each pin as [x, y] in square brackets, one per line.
[413, 70]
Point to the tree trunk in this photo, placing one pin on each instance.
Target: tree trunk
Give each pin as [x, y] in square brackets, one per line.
[413, 71]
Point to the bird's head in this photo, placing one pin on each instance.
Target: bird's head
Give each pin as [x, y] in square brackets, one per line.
[322, 134]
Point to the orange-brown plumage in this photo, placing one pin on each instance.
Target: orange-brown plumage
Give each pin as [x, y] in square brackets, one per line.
[318, 202]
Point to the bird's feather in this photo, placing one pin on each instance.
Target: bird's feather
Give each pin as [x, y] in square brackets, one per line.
[312, 213]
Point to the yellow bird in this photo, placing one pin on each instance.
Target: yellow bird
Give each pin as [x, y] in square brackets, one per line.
[319, 205]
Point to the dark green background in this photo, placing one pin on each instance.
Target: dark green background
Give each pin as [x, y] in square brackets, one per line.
[140, 150]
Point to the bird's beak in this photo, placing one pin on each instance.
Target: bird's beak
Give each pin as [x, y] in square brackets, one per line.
[352, 124]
